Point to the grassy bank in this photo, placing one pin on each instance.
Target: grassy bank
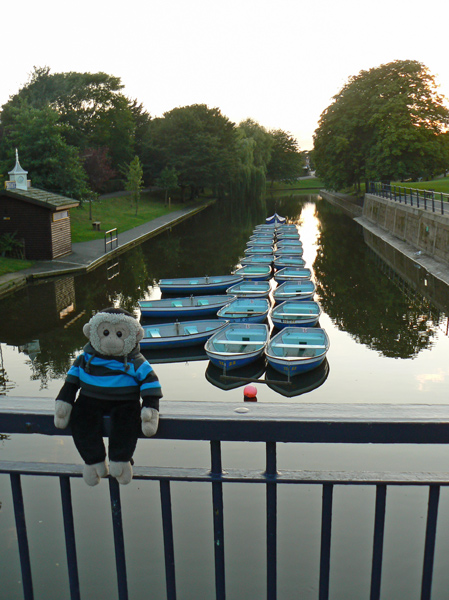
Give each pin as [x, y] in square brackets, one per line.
[117, 212]
[300, 184]
[11, 265]
[440, 185]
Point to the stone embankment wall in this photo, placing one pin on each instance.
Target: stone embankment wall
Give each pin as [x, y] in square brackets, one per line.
[346, 203]
[423, 229]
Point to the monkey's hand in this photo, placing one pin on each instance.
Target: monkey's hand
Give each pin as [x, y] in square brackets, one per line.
[150, 421]
[62, 414]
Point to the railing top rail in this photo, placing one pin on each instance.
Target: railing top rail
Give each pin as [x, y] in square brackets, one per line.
[408, 189]
[321, 423]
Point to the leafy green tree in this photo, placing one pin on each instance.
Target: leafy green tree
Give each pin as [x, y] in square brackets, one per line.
[286, 161]
[199, 143]
[90, 107]
[134, 180]
[52, 164]
[385, 124]
[254, 145]
[168, 180]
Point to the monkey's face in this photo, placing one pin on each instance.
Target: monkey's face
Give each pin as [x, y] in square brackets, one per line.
[113, 334]
[112, 337]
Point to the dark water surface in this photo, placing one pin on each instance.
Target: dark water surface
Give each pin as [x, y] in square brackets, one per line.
[389, 344]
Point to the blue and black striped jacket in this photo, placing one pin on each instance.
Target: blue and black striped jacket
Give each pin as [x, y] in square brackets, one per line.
[112, 378]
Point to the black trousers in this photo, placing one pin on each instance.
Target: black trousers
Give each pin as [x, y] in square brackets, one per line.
[86, 422]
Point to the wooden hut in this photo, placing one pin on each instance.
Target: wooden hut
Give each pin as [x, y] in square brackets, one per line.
[41, 219]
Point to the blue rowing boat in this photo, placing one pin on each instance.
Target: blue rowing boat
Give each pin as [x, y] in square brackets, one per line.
[237, 345]
[198, 285]
[245, 310]
[302, 289]
[296, 350]
[288, 260]
[290, 250]
[275, 219]
[193, 306]
[257, 259]
[250, 250]
[296, 313]
[292, 274]
[260, 272]
[250, 289]
[174, 335]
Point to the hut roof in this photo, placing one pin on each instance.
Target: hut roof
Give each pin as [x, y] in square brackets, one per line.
[43, 198]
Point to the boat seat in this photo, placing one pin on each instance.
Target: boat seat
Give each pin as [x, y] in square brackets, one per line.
[176, 303]
[191, 329]
[203, 302]
[154, 333]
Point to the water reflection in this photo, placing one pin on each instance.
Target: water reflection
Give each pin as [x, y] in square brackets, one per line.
[300, 384]
[237, 378]
[360, 293]
[360, 299]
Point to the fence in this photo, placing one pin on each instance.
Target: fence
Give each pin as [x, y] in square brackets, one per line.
[271, 424]
[110, 237]
[425, 199]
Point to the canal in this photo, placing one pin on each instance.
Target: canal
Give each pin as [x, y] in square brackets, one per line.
[388, 330]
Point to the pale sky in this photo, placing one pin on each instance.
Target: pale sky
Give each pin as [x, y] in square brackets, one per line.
[278, 62]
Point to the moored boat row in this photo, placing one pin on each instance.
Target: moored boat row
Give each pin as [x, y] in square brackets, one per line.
[240, 335]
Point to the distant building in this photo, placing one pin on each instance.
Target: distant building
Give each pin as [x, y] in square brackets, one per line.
[40, 219]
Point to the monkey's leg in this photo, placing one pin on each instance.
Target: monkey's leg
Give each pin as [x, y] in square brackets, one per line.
[87, 431]
[125, 431]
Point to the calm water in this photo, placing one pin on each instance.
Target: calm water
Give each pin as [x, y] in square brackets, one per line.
[389, 343]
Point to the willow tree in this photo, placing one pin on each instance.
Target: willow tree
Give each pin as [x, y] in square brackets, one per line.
[385, 124]
[254, 151]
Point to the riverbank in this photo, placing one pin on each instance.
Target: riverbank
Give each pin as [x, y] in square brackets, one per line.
[349, 205]
[86, 256]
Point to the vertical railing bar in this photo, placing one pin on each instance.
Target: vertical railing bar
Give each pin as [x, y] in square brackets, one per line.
[326, 528]
[22, 537]
[69, 532]
[429, 548]
[169, 548]
[379, 529]
[271, 471]
[119, 542]
[217, 505]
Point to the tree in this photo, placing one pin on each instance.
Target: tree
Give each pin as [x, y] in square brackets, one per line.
[286, 162]
[134, 180]
[168, 180]
[53, 164]
[90, 106]
[199, 143]
[385, 124]
[254, 152]
[97, 165]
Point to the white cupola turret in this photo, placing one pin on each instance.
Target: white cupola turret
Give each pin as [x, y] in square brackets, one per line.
[18, 175]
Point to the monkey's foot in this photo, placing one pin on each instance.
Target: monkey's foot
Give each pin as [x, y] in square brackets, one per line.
[93, 473]
[122, 471]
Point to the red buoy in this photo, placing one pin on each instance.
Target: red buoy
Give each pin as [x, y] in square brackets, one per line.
[250, 394]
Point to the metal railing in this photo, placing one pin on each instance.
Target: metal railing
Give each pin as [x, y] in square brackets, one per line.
[221, 422]
[110, 237]
[425, 199]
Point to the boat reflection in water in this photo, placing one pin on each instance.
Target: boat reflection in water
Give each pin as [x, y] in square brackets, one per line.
[175, 355]
[298, 384]
[238, 377]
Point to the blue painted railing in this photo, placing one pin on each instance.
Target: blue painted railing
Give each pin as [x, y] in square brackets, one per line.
[268, 423]
[425, 199]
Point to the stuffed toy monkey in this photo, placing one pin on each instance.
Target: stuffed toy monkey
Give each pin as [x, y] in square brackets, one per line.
[111, 375]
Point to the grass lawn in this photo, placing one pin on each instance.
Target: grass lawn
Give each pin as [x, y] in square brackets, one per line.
[437, 185]
[11, 265]
[299, 184]
[117, 212]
